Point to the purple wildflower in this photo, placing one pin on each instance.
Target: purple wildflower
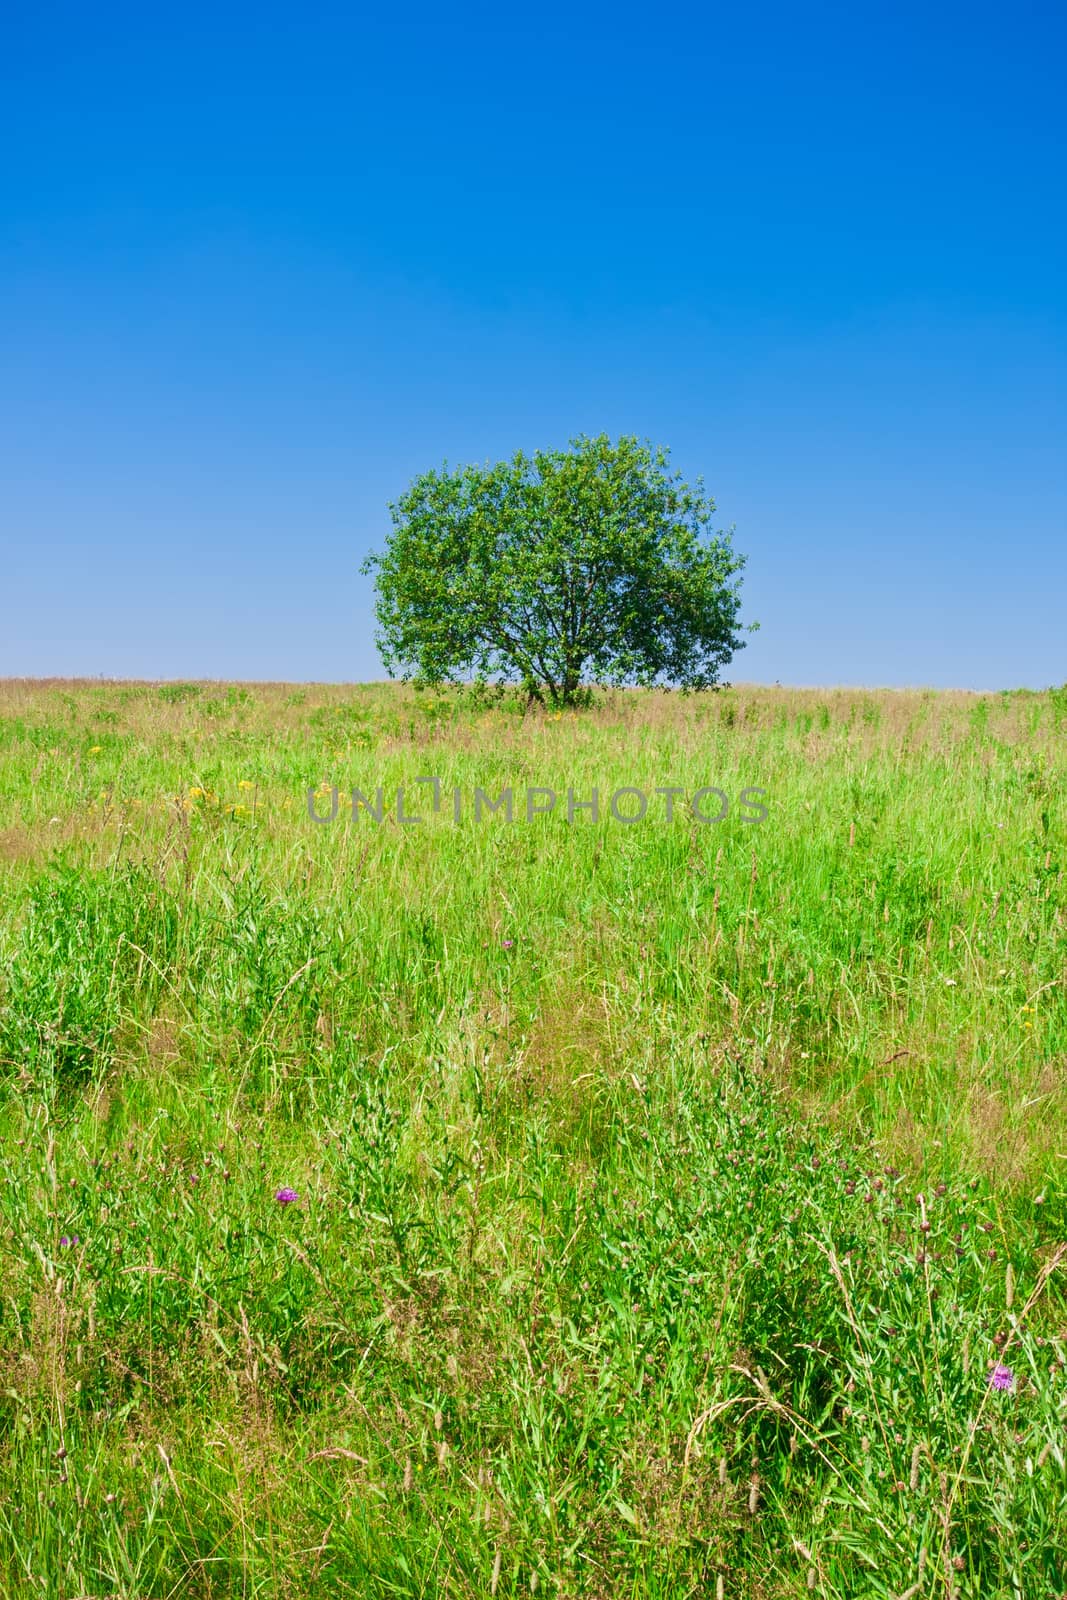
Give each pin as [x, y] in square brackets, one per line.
[508, 943]
[286, 1197]
[1001, 1377]
[64, 1242]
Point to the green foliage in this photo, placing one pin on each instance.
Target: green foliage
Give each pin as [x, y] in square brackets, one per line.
[172, 694]
[609, 1267]
[87, 944]
[596, 562]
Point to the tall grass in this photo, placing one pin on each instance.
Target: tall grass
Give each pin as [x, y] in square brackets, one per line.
[667, 1192]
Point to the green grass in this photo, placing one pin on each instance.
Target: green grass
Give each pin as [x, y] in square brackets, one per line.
[667, 1191]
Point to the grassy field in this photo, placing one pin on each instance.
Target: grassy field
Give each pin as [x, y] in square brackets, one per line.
[665, 1192]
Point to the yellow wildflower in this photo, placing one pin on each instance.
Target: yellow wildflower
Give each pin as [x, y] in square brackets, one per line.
[196, 793]
[246, 783]
[95, 749]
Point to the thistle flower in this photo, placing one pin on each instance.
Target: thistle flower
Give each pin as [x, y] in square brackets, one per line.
[286, 1197]
[1001, 1377]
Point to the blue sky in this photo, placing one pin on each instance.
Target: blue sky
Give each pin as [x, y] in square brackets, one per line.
[261, 266]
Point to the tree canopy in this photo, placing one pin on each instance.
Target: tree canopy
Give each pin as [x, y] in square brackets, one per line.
[594, 564]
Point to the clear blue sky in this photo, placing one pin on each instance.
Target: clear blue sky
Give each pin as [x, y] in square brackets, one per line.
[260, 266]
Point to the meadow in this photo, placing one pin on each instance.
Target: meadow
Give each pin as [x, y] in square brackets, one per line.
[558, 1207]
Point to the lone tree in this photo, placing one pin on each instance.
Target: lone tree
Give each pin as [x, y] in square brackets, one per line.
[592, 563]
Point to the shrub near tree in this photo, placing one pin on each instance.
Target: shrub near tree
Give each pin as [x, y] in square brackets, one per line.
[593, 564]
